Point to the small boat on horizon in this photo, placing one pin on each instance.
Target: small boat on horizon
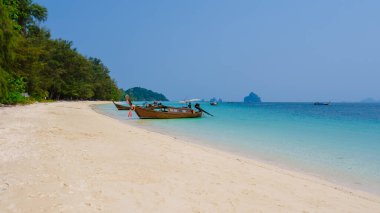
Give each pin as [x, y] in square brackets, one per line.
[159, 111]
[322, 103]
[213, 102]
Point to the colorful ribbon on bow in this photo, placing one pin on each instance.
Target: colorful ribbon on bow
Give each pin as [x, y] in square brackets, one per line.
[130, 111]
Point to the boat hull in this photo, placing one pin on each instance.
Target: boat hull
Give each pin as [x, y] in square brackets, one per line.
[121, 107]
[321, 103]
[146, 113]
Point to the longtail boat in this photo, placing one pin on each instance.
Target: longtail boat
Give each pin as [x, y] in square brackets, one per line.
[162, 111]
[121, 107]
[166, 112]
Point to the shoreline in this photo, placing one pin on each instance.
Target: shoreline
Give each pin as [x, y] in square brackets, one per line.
[66, 156]
[329, 180]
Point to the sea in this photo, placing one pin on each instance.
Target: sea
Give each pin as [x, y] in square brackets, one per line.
[339, 143]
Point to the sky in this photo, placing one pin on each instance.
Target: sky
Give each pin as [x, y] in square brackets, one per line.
[294, 50]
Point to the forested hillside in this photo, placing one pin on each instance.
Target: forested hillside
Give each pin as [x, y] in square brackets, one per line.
[142, 94]
[45, 68]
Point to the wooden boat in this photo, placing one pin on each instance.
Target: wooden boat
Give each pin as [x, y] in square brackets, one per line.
[161, 111]
[321, 103]
[121, 107]
[165, 112]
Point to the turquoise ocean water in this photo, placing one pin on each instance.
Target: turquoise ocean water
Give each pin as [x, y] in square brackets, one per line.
[340, 142]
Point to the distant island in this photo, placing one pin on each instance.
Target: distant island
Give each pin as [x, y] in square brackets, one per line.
[252, 98]
[142, 94]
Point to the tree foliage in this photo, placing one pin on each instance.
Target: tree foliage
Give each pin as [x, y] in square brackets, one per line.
[142, 94]
[32, 62]
[25, 14]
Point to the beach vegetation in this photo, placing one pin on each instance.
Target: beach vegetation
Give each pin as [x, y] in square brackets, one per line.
[33, 63]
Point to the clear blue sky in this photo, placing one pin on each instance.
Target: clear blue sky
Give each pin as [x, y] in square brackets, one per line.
[294, 50]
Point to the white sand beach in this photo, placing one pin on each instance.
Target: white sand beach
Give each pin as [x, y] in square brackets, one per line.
[65, 157]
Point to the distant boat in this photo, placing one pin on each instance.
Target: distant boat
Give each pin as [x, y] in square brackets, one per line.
[213, 102]
[156, 111]
[190, 100]
[322, 103]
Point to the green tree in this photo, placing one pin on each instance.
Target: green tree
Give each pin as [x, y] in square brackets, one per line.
[8, 42]
[142, 94]
[30, 61]
[104, 87]
[25, 14]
